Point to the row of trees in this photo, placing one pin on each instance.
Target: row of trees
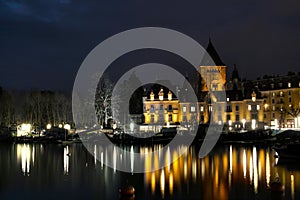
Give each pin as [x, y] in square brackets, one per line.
[35, 107]
[7, 116]
[43, 107]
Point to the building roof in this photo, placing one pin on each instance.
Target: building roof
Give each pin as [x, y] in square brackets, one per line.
[211, 55]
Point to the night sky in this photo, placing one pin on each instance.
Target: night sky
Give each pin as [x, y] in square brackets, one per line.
[43, 42]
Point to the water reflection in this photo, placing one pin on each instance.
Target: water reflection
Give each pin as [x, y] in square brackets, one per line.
[66, 160]
[228, 172]
[24, 156]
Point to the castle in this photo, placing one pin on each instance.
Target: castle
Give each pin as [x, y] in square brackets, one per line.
[271, 102]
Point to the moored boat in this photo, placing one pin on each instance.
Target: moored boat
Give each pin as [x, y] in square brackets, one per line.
[288, 151]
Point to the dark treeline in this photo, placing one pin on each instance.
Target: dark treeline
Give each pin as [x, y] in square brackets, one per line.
[35, 107]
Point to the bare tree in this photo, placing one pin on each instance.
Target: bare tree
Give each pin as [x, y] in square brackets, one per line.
[103, 99]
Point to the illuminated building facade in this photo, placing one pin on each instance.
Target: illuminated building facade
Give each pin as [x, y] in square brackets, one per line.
[161, 108]
[281, 97]
[249, 105]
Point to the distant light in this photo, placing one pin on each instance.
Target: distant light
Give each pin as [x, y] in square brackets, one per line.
[253, 124]
[276, 124]
[230, 122]
[67, 126]
[60, 126]
[257, 107]
[48, 126]
[23, 130]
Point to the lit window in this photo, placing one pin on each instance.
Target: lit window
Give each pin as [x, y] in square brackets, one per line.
[289, 84]
[227, 99]
[273, 108]
[258, 107]
[193, 109]
[184, 109]
[281, 93]
[201, 108]
[249, 107]
[273, 94]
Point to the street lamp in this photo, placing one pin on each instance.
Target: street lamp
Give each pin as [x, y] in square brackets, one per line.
[48, 126]
[244, 122]
[67, 127]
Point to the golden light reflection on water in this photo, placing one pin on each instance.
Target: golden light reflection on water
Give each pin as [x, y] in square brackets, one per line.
[217, 172]
[24, 154]
[226, 170]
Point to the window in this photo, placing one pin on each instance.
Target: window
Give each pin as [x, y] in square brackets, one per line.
[289, 84]
[273, 108]
[281, 93]
[161, 107]
[249, 107]
[202, 118]
[273, 100]
[228, 117]
[193, 109]
[237, 108]
[265, 116]
[170, 107]
[228, 109]
[201, 108]
[290, 99]
[152, 108]
[152, 118]
[273, 94]
[184, 109]
[237, 118]
[170, 118]
[254, 116]
[227, 99]
[289, 92]
[273, 115]
[281, 100]
[257, 107]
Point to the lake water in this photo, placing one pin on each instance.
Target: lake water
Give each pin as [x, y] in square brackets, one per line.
[54, 171]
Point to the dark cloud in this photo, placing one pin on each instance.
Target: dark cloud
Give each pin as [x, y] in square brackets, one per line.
[42, 43]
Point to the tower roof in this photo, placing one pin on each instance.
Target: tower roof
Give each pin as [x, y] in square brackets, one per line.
[235, 73]
[211, 51]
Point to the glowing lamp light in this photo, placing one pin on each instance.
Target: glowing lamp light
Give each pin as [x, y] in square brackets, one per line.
[67, 126]
[253, 124]
[276, 124]
[244, 122]
[23, 130]
[230, 123]
[60, 125]
[114, 126]
[48, 126]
